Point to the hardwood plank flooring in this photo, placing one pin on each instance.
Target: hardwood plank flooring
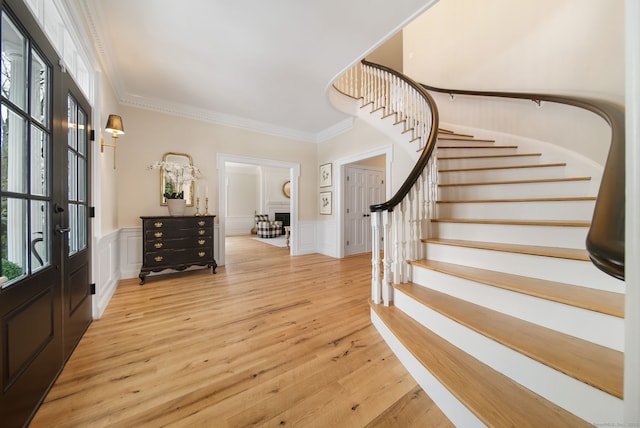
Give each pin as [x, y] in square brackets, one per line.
[270, 340]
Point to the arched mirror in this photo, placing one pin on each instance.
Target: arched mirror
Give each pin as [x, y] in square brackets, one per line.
[286, 189]
[177, 177]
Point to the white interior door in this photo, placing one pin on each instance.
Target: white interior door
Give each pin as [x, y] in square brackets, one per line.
[364, 187]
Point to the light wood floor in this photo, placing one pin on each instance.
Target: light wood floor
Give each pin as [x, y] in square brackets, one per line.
[270, 340]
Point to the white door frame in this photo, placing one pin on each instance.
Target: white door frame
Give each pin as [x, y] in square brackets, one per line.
[340, 187]
[294, 175]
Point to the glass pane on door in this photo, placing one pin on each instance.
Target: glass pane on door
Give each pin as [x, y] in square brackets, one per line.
[13, 232]
[39, 89]
[78, 162]
[14, 63]
[14, 151]
[40, 239]
[39, 162]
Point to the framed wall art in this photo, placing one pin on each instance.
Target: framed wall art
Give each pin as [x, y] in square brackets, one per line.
[325, 203]
[326, 175]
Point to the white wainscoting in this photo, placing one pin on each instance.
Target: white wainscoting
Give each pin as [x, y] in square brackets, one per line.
[326, 238]
[306, 239]
[106, 272]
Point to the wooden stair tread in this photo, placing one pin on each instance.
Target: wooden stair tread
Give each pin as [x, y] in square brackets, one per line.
[477, 147]
[601, 301]
[535, 250]
[448, 131]
[512, 222]
[559, 199]
[593, 364]
[539, 180]
[464, 138]
[491, 168]
[511, 155]
[493, 398]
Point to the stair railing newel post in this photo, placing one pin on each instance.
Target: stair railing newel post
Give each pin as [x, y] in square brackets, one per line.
[376, 281]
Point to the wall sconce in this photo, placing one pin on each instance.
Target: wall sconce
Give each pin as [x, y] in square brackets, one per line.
[114, 125]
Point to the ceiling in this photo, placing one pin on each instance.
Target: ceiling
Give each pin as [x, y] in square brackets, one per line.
[255, 64]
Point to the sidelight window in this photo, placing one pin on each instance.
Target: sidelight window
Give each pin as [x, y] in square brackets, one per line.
[25, 152]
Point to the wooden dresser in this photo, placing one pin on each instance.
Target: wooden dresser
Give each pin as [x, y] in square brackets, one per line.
[176, 243]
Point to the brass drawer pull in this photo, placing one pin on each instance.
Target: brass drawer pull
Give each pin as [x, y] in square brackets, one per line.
[158, 234]
[202, 232]
[158, 224]
[158, 258]
[158, 245]
[201, 253]
[201, 223]
[201, 241]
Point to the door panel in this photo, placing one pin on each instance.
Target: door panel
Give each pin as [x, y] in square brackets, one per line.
[364, 187]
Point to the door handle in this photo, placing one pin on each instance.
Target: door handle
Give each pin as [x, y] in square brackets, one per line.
[366, 215]
[62, 230]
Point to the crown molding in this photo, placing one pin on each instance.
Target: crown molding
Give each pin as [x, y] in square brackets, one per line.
[217, 118]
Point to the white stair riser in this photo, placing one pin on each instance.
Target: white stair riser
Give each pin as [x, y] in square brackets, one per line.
[489, 162]
[605, 330]
[576, 272]
[548, 236]
[518, 190]
[556, 210]
[501, 174]
[584, 401]
[476, 151]
[456, 412]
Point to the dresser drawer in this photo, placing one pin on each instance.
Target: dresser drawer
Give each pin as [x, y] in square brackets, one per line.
[163, 223]
[178, 243]
[168, 233]
[178, 257]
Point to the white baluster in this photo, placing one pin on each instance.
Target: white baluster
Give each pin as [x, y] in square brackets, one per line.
[403, 209]
[397, 267]
[376, 283]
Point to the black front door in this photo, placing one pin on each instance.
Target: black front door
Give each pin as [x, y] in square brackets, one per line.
[76, 291]
[45, 305]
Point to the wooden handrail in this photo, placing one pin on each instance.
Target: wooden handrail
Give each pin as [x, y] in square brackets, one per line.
[423, 160]
[606, 238]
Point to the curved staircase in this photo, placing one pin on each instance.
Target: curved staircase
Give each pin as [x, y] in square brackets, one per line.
[498, 312]
[506, 321]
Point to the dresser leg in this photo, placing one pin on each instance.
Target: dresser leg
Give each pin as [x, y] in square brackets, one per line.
[213, 267]
[143, 277]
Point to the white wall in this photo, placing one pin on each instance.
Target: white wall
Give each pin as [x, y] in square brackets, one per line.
[243, 183]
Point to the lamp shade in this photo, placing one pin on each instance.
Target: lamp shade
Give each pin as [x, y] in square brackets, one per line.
[114, 125]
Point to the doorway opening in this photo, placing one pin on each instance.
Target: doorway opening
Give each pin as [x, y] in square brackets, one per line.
[274, 173]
